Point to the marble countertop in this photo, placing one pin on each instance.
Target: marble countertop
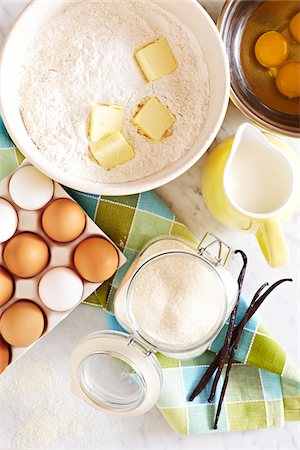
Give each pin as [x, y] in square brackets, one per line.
[37, 409]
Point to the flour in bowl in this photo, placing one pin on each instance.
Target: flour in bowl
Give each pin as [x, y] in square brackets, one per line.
[85, 56]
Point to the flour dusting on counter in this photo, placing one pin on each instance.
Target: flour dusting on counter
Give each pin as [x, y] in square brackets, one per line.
[85, 56]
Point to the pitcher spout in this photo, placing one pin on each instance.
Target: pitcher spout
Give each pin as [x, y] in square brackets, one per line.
[245, 132]
[258, 177]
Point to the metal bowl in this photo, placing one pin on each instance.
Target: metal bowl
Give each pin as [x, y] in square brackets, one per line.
[231, 23]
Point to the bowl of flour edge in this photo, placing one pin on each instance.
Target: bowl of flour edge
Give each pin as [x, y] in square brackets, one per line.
[24, 32]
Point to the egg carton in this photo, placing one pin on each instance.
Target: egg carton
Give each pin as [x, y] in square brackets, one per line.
[60, 256]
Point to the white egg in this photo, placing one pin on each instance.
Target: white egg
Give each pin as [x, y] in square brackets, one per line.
[30, 189]
[60, 289]
[8, 220]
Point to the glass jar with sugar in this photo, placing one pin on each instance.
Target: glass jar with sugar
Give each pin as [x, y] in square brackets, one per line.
[173, 300]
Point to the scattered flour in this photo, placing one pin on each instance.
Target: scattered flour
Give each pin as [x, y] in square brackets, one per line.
[42, 412]
[84, 56]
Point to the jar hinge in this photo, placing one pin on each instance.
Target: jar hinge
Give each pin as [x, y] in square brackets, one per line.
[141, 345]
[211, 242]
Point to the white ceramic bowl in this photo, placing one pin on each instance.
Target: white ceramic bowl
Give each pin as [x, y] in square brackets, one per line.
[25, 29]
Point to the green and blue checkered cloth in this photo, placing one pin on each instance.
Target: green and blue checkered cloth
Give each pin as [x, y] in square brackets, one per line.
[264, 388]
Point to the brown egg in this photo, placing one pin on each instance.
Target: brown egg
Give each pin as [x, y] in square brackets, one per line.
[96, 259]
[4, 354]
[63, 220]
[26, 255]
[22, 323]
[6, 286]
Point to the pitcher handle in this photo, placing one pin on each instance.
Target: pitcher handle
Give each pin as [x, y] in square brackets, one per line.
[272, 242]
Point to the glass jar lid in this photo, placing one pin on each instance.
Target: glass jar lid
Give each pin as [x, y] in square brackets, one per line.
[114, 373]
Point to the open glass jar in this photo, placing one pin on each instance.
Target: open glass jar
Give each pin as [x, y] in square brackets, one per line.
[174, 300]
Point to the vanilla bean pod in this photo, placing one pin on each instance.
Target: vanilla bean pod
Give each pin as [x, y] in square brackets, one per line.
[224, 351]
[255, 305]
[232, 354]
[249, 313]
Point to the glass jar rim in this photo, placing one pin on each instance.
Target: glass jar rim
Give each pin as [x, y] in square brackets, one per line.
[103, 397]
[122, 348]
[154, 344]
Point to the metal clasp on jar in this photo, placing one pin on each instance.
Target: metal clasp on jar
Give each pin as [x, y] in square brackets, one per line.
[141, 344]
[214, 250]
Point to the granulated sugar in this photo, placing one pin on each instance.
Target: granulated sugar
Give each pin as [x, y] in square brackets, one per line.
[177, 300]
[85, 56]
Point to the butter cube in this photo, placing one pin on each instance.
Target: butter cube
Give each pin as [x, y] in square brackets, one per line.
[154, 119]
[156, 59]
[112, 150]
[105, 119]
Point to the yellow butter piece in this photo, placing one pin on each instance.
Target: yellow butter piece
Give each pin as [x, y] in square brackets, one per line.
[156, 59]
[112, 150]
[154, 119]
[104, 120]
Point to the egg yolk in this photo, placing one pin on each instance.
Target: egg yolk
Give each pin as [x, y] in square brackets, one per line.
[271, 49]
[295, 27]
[288, 79]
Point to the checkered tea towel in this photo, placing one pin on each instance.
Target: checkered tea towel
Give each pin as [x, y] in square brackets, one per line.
[264, 388]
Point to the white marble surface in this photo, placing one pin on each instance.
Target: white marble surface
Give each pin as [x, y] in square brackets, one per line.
[38, 411]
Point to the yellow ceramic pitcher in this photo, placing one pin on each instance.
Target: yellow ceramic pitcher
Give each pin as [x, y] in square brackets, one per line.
[251, 182]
